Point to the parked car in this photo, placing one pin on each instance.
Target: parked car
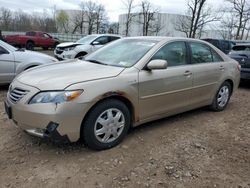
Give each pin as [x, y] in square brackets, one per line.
[32, 39]
[223, 45]
[84, 46]
[126, 83]
[13, 61]
[241, 53]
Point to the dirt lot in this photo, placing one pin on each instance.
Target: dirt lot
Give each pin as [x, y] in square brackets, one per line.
[195, 149]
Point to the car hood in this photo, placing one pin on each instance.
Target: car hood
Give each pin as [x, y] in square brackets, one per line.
[31, 56]
[61, 75]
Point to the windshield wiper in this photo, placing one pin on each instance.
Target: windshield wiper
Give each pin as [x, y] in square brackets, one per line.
[96, 61]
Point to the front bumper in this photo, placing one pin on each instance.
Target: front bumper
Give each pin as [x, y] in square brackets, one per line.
[50, 133]
[65, 55]
[36, 119]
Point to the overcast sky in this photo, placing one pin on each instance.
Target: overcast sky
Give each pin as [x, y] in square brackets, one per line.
[113, 7]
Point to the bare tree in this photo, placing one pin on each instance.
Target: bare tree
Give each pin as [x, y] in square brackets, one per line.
[129, 5]
[62, 20]
[198, 16]
[5, 18]
[157, 25]
[228, 25]
[148, 16]
[79, 19]
[241, 8]
[244, 25]
[91, 15]
[113, 28]
[101, 17]
[22, 21]
[183, 25]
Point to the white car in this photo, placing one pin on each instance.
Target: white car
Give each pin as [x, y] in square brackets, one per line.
[14, 61]
[84, 46]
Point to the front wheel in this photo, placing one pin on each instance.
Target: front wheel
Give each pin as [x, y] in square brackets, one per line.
[222, 97]
[106, 125]
[30, 45]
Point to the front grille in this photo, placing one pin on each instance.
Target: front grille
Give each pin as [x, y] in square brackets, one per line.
[17, 94]
[59, 51]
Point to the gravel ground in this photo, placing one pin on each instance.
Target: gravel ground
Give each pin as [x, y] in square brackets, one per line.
[199, 148]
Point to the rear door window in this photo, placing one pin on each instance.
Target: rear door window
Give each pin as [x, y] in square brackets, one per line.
[200, 53]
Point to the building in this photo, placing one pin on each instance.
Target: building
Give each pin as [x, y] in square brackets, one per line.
[163, 24]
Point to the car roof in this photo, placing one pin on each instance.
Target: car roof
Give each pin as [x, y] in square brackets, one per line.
[162, 38]
[100, 35]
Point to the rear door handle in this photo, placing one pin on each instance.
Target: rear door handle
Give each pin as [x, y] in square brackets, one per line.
[187, 73]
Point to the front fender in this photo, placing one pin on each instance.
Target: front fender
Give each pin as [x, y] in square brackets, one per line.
[20, 67]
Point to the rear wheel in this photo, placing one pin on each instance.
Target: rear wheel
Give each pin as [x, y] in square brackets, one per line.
[222, 97]
[30, 45]
[106, 125]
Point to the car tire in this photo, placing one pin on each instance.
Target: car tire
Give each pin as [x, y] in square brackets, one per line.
[30, 45]
[222, 97]
[106, 125]
[45, 48]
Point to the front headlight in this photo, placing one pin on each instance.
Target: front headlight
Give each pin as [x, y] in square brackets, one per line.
[55, 96]
[70, 48]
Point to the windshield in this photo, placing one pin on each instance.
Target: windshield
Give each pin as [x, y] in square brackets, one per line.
[6, 45]
[86, 40]
[122, 53]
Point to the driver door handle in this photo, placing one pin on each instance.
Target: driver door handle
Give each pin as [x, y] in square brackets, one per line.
[222, 68]
[187, 73]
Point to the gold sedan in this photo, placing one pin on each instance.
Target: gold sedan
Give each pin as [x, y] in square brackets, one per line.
[126, 83]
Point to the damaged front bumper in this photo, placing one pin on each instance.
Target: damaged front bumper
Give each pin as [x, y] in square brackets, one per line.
[50, 133]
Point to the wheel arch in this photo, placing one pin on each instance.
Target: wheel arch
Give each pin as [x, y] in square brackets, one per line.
[115, 96]
[81, 53]
[230, 81]
[29, 40]
[31, 66]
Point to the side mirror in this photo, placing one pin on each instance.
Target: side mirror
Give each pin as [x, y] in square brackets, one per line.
[157, 64]
[95, 43]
